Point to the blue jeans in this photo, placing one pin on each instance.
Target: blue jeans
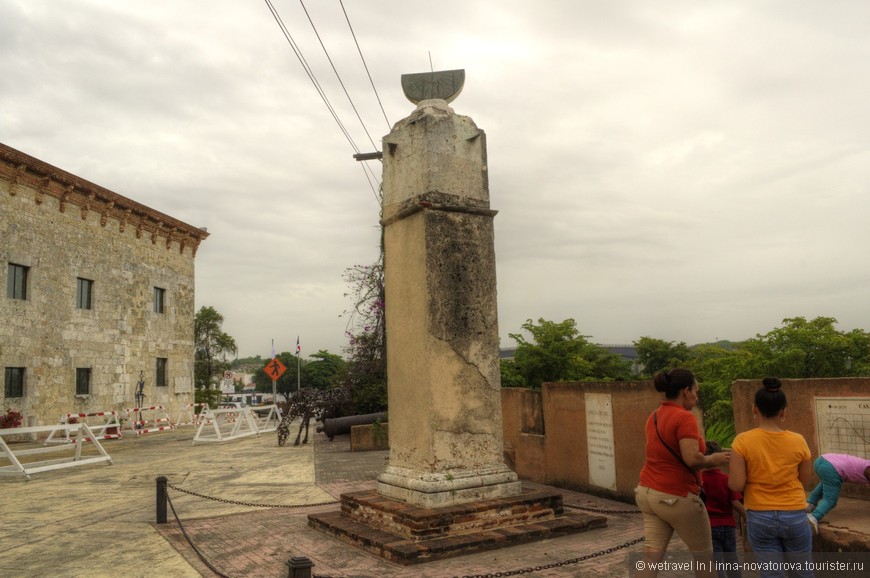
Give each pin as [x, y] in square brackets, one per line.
[725, 549]
[824, 497]
[780, 535]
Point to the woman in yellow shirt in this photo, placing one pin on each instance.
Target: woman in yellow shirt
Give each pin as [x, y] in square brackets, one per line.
[770, 466]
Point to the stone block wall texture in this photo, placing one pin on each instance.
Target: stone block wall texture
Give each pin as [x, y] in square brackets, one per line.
[545, 433]
[64, 228]
[800, 413]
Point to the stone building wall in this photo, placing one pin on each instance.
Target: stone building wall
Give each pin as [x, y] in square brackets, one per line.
[63, 228]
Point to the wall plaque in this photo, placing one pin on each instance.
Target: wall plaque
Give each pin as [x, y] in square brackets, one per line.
[183, 385]
[599, 439]
[843, 425]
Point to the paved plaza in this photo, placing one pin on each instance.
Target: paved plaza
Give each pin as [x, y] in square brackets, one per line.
[99, 520]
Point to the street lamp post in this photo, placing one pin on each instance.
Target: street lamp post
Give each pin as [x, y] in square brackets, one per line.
[140, 397]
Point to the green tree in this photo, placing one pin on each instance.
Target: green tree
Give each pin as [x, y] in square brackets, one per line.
[510, 374]
[716, 366]
[815, 348]
[658, 354]
[323, 371]
[212, 346]
[798, 349]
[557, 352]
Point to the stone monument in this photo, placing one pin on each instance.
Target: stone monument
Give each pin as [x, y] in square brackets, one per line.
[442, 320]
[446, 489]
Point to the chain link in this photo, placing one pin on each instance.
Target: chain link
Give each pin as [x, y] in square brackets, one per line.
[192, 545]
[556, 564]
[528, 570]
[239, 503]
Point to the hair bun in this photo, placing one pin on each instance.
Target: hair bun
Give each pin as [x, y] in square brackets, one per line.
[661, 381]
[771, 383]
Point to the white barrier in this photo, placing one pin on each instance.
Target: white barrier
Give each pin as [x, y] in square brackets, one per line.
[189, 416]
[267, 417]
[142, 420]
[226, 424]
[108, 427]
[82, 433]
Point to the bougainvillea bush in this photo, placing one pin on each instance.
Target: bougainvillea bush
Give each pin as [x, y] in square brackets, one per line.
[10, 419]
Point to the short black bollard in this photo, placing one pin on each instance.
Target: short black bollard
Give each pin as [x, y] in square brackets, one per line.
[161, 499]
[300, 567]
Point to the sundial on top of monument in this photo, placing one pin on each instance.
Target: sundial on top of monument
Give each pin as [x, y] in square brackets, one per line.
[441, 84]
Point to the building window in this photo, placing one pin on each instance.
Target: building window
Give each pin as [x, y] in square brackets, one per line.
[16, 283]
[161, 372]
[83, 380]
[159, 298]
[84, 293]
[14, 382]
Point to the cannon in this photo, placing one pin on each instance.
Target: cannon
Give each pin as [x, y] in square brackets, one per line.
[342, 425]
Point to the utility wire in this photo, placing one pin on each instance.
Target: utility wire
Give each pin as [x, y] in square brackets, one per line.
[389, 125]
[298, 52]
[308, 70]
[337, 75]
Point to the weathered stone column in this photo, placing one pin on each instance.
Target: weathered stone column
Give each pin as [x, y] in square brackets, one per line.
[442, 320]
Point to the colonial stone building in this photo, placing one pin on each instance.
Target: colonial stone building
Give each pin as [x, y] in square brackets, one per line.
[98, 291]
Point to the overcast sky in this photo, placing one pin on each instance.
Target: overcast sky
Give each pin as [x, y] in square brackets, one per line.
[684, 170]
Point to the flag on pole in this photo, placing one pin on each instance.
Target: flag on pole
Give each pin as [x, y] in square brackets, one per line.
[298, 347]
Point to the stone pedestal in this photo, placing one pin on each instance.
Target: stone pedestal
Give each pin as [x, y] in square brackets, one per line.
[442, 324]
[406, 534]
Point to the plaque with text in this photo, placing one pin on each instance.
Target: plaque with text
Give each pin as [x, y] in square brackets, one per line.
[843, 424]
[183, 385]
[599, 440]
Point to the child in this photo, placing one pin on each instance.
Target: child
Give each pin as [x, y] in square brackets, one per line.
[721, 504]
[833, 470]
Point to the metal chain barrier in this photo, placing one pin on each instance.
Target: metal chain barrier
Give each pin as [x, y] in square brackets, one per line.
[529, 570]
[532, 569]
[238, 503]
[189, 541]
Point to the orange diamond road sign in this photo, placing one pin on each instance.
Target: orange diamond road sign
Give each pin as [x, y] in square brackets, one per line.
[275, 369]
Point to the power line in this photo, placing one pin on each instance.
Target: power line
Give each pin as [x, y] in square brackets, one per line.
[337, 75]
[389, 125]
[309, 71]
[298, 52]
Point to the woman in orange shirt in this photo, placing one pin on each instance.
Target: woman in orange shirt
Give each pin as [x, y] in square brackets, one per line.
[669, 491]
[770, 465]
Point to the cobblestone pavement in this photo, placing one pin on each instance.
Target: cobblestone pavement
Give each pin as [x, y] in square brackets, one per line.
[99, 520]
[235, 545]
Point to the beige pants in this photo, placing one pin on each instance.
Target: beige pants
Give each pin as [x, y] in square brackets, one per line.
[665, 513]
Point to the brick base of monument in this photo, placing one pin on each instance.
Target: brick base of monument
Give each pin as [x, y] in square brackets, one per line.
[407, 534]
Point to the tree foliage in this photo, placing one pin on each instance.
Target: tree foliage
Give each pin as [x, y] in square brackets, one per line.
[797, 349]
[815, 348]
[557, 352]
[322, 372]
[212, 346]
[365, 374]
[657, 354]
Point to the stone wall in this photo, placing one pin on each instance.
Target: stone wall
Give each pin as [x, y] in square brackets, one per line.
[547, 434]
[63, 228]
